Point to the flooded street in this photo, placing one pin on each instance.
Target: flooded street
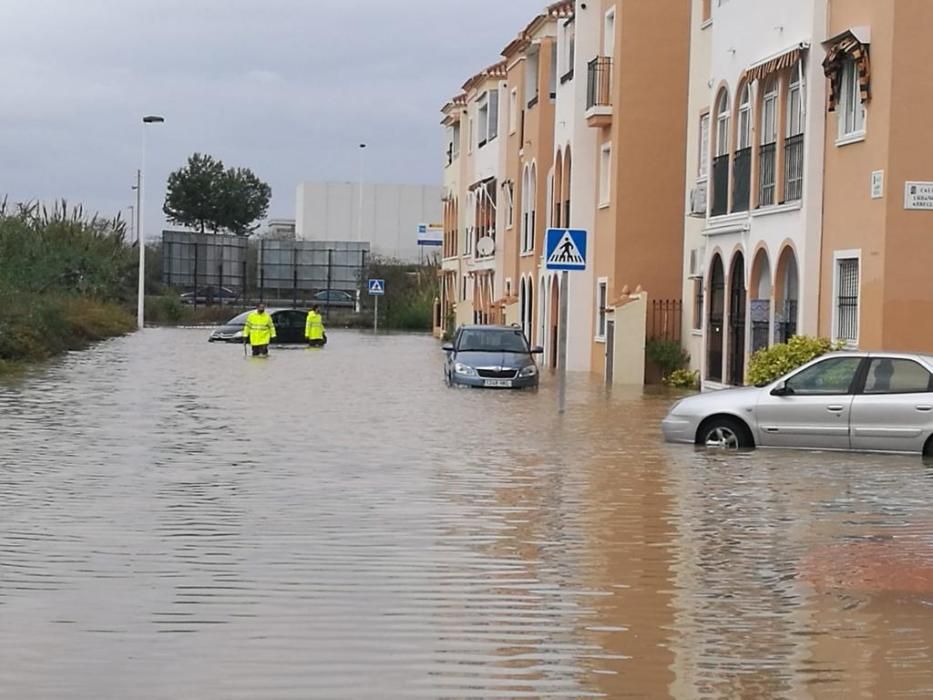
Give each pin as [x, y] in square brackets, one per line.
[177, 521]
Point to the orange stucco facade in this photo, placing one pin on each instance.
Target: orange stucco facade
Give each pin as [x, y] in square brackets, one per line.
[639, 231]
[894, 245]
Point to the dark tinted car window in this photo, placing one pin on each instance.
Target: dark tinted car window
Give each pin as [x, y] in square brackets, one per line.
[498, 340]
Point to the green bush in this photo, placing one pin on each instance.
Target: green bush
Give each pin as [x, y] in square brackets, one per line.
[683, 379]
[773, 363]
[668, 355]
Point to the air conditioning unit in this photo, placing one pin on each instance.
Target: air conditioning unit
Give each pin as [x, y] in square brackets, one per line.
[696, 263]
[698, 200]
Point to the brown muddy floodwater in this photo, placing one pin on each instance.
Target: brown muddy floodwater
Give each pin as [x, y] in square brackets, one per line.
[177, 521]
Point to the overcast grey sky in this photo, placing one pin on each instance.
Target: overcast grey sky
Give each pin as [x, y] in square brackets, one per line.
[288, 88]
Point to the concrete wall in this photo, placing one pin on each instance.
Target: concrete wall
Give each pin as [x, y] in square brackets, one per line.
[629, 355]
[391, 214]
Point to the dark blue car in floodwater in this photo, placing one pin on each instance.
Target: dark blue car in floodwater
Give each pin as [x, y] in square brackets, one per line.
[493, 357]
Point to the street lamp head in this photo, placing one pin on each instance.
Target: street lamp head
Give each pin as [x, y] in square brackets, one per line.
[153, 119]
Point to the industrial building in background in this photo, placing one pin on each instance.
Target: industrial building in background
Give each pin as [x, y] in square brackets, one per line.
[386, 216]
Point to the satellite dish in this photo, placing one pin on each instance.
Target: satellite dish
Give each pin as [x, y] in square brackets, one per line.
[485, 247]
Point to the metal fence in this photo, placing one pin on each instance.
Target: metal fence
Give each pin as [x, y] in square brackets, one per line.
[197, 260]
[664, 320]
[297, 269]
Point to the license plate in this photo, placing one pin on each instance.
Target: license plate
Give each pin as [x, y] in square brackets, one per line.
[498, 383]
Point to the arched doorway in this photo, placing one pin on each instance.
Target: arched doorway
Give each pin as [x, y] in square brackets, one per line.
[715, 320]
[787, 286]
[760, 306]
[737, 303]
[529, 291]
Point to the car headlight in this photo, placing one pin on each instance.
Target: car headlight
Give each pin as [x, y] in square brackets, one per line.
[529, 371]
[465, 370]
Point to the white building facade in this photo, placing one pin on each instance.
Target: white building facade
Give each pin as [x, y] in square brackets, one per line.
[386, 216]
[757, 184]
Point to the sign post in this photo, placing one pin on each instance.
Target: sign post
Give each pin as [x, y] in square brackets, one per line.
[377, 288]
[565, 252]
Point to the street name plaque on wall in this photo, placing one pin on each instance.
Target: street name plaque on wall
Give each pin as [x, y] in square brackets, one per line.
[918, 195]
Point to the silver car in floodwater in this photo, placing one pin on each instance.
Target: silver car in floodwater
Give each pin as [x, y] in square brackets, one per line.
[876, 402]
[493, 357]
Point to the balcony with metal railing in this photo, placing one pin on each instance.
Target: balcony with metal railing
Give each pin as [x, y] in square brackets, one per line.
[720, 205]
[741, 179]
[599, 92]
[793, 168]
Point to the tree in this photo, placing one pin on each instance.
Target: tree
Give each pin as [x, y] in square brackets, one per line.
[204, 196]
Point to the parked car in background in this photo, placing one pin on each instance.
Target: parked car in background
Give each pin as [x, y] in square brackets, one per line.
[289, 327]
[210, 295]
[496, 357]
[878, 402]
[335, 297]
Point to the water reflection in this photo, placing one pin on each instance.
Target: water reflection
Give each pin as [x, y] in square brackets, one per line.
[178, 521]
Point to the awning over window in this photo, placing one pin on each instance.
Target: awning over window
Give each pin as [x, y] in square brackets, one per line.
[785, 59]
[851, 45]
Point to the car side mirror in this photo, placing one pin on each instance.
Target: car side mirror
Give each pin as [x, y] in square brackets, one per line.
[448, 348]
[537, 350]
[782, 390]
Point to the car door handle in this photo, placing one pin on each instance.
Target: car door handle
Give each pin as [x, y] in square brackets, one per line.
[835, 409]
[925, 408]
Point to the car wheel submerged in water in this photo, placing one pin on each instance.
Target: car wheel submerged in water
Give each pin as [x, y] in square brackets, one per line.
[724, 434]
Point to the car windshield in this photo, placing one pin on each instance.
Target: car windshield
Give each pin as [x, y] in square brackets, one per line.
[498, 340]
[238, 320]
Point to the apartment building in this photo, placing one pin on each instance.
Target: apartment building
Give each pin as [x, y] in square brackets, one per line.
[636, 100]
[875, 272]
[456, 309]
[757, 179]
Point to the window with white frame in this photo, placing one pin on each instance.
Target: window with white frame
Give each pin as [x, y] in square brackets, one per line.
[470, 135]
[851, 110]
[744, 135]
[609, 33]
[455, 140]
[602, 299]
[530, 200]
[703, 156]
[847, 299]
[513, 111]
[552, 73]
[549, 211]
[509, 204]
[492, 115]
[482, 121]
[722, 125]
[570, 48]
[605, 173]
[526, 213]
[769, 112]
[795, 106]
[531, 76]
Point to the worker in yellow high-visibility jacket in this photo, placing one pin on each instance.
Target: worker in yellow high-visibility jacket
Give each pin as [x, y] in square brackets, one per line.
[259, 330]
[314, 328]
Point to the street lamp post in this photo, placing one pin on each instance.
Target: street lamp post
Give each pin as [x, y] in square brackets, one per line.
[359, 216]
[140, 235]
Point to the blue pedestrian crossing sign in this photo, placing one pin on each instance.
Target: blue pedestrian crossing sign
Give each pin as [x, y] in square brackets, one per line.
[377, 288]
[565, 249]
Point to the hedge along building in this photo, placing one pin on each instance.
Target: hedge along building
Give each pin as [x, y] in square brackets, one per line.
[877, 254]
[760, 253]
